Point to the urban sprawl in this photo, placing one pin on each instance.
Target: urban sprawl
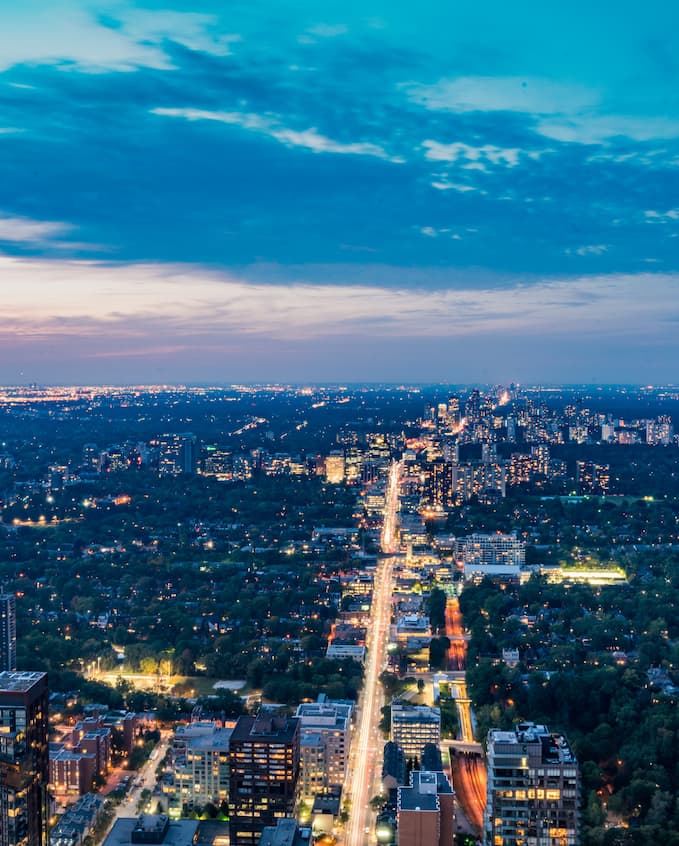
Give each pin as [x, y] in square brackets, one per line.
[284, 615]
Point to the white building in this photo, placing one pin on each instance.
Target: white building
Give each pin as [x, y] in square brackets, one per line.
[200, 755]
[324, 745]
[491, 555]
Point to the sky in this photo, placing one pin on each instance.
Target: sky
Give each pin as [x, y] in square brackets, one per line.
[218, 192]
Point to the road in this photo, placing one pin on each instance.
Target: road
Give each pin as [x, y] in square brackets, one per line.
[366, 753]
[457, 654]
[469, 772]
[143, 779]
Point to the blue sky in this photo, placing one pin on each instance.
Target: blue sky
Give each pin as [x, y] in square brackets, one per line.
[344, 191]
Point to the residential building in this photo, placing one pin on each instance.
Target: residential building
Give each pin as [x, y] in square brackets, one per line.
[200, 760]
[24, 762]
[324, 745]
[533, 788]
[178, 454]
[494, 555]
[147, 828]
[426, 810]
[264, 770]
[286, 832]
[8, 632]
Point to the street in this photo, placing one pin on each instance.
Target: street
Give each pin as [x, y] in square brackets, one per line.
[366, 754]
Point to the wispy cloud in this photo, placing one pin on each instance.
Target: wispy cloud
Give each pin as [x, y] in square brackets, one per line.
[23, 230]
[485, 154]
[560, 110]
[309, 139]
[321, 31]
[662, 217]
[501, 94]
[75, 35]
[588, 250]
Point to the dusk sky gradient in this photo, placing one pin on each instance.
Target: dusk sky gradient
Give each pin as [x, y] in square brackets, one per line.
[217, 192]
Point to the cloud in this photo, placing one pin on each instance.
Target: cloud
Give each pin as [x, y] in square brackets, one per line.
[501, 94]
[323, 30]
[588, 250]
[662, 217]
[561, 111]
[452, 186]
[187, 304]
[75, 35]
[309, 139]
[23, 230]
[457, 151]
[598, 129]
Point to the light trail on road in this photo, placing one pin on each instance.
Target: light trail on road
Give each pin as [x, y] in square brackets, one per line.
[469, 773]
[367, 745]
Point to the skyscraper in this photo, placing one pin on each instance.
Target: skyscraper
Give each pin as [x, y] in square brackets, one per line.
[264, 764]
[8, 632]
[533, 788]
[24, 763]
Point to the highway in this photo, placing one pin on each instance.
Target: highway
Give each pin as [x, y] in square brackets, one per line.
[366, 753]
[469, 772]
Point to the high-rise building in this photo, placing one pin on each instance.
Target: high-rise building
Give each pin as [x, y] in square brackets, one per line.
[200, 763]
[413, 726]
[264, 770]
[24, 763]
[8, 632]
[324, 727]
[592, 477]
[426, 810]
[454, 410]
[178, 454]
[334, 467]
[472, 408]
[491, 555]
[533, 788]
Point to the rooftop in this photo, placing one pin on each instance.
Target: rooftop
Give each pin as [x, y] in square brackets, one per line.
[19, 682]
[273, 728]
[285, 833]
[179, 832]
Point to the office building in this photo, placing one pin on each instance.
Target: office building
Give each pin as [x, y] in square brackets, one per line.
[264, 771]
[334, 467]
[324, 745]
[533, 788]
[24, 762]
[8, 633]
[426, 810]
[413, 726]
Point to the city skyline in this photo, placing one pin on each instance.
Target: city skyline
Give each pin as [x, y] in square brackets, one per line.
[266, 193]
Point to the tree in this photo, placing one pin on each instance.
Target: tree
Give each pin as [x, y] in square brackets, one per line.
[438, 652]
[436, 608]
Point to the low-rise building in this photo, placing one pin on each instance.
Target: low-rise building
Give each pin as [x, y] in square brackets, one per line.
[426, 810]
